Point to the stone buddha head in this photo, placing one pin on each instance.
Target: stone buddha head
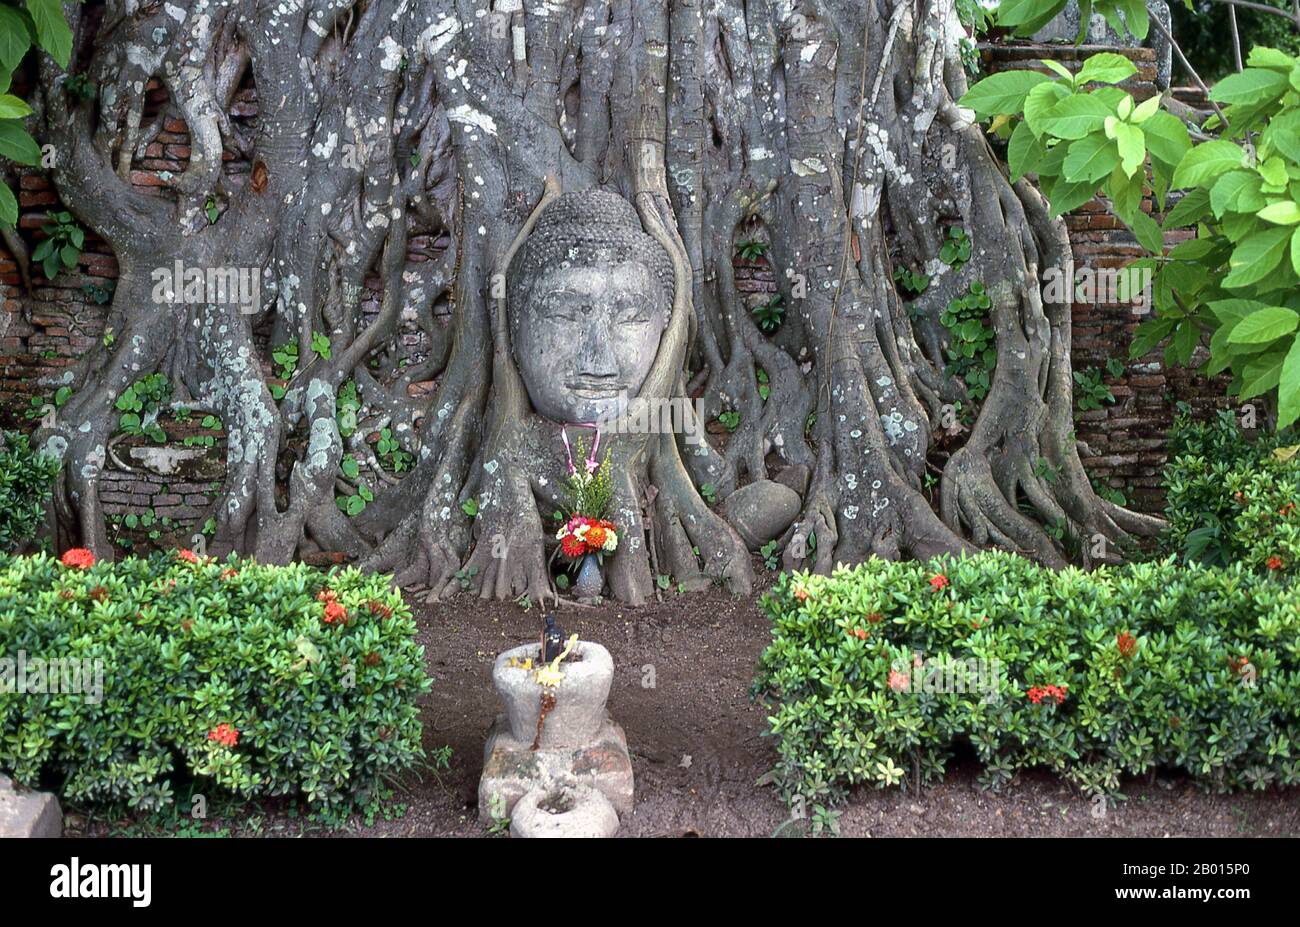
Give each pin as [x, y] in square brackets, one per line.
[589, 295]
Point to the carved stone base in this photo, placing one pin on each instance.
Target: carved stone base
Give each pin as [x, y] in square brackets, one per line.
[511, 769]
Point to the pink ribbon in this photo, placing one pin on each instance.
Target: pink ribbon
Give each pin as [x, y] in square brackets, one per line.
[591, 458]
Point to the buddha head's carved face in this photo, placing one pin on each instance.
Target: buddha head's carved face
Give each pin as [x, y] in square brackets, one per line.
[589, 297]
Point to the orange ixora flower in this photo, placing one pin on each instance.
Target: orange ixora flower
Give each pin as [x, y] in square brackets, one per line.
[229, 573]
[859, 633]
[938, 582]
[187, 555]
[799, 592]
[1274, 562]
[334, 612]
[78, 557]
[899, 682]
[225, 734]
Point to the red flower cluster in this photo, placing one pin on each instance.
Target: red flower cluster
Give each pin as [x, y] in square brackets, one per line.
[187, 555]
[859, 633]
[377, 607]
[78, 557]
[1274, 562]
[899, 682]
[229, 573]
[1127, 644]
[1287, 509]
[938, 582]
[334, 610]
[1038, 693]
[224, 734]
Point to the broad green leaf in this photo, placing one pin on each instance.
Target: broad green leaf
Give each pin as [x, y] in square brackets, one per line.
[1105, 68]
[1076, 116]
[1262, 373]
[1193, 207]
[1003, 92]
[1256, 257]
[1065, 196]
[15, 38]
[1265, 325]
[1125, 194]
[1039, 102]
[1132, 147]
[1145, 110]
[1135, 17]
[1263, 57]
[1273, 170]
[8, 207]
[1167, 137]
[1028, 16]
[1250, 86]
[1295, 252]
[17, 145]
[1236, 191]
[1148, 335]
[1288, 391]
[1231, 311]
[1285, 212]
[52, 30]
[1147, 232]
[1283, 134]
[1090, 159]
[1024, 151]
[13, 108]
[1206, 161]
[1186, 337]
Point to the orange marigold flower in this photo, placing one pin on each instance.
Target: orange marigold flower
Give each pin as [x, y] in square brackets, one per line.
[78, 557]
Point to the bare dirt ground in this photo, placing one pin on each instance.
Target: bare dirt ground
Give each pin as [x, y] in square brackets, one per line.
[698, 747]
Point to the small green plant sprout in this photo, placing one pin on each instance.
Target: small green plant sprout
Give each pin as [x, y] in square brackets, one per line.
[465, 576]
[1089, 391]
[79, 87]
[764, 386]
[348, 406]
[770, 553]
[356, 503]
[100, 293]
[825, 821]
[709, 493]
[730, 420]
[392, 453]
[956, 250]
[770, 315]
[470, 507]
[211, 210]
[286, 362]
[62, 245]
[751, 250]
[140, 403]
[320, 345]
[500, 826]
[911, 282]
[972, 353]
[663, 581]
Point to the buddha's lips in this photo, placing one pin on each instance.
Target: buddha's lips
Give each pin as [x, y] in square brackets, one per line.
[588, 390]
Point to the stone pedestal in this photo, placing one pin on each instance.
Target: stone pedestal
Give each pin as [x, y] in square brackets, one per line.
[581, 762]
[27, 813]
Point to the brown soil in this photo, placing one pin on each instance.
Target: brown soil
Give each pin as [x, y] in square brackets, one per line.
[683, 667]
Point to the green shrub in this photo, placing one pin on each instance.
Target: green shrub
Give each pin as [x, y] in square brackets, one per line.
[1091, 675]
[1230, 499]
[26, 477]
[258, 680]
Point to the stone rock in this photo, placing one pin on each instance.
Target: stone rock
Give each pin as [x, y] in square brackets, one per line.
[27, 813]
[797, 477]
[580, 697]
[564, 810]
[512, 769]
[761, 511]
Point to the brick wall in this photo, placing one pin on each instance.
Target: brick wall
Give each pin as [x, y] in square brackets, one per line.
[42, 334]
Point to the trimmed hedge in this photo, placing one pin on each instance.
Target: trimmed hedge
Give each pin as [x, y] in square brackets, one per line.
[256, 680]
[26, 479]
[1230, 499]
[1099, 675]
